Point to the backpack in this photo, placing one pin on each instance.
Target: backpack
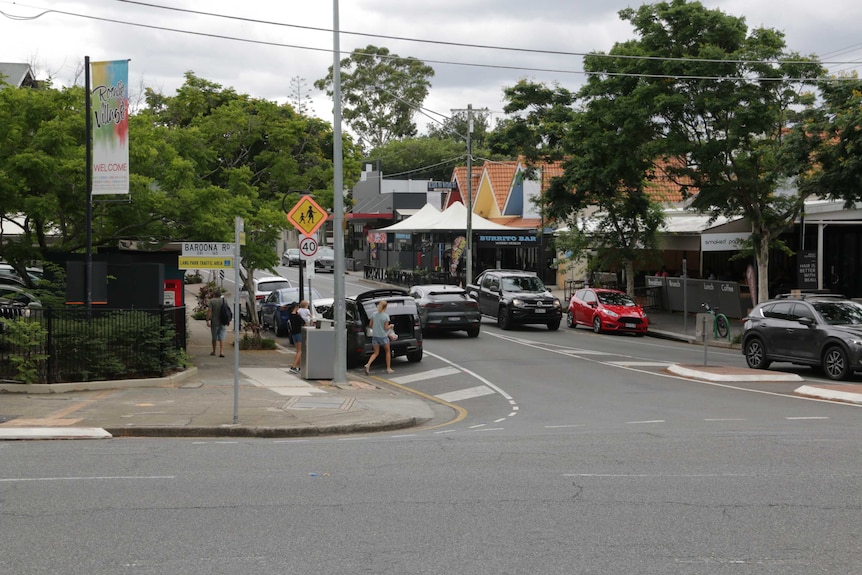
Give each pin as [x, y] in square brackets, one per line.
[226, 314]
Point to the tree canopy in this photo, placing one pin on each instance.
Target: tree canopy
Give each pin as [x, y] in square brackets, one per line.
[380, 93]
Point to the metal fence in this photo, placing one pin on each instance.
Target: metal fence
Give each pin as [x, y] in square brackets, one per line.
[42, 345]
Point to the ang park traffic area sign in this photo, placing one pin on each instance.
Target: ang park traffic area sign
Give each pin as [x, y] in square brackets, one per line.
[307, 216]
[207, 255]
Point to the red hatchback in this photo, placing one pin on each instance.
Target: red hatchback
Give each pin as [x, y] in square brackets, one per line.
[607, 310]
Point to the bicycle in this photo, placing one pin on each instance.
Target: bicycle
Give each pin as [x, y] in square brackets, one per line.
[720, 323]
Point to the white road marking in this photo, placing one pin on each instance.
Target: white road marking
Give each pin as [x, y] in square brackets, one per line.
[647, 421]
[430, 374]
[565, 426]
[468, 393]
[796, 418]
[641, 363]
[98, 478]
[693, 475]
[726, 419]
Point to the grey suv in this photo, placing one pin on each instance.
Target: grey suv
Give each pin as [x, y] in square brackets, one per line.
[515, 297]
[403, 315]
[823, 331]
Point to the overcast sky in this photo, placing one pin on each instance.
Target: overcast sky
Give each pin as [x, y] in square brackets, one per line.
[299, 42]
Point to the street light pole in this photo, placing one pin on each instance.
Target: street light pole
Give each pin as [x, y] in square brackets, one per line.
[340, 360]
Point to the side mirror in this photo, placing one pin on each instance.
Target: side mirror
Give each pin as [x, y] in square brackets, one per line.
[594, 304]
[806, 321]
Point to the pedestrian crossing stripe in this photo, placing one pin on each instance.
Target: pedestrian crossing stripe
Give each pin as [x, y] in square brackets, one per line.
[468, 393]
[430, 374]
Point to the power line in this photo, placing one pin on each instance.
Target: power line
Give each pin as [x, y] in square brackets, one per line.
[442, 62]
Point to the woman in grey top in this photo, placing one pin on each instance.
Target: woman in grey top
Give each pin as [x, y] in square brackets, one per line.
[380, 327]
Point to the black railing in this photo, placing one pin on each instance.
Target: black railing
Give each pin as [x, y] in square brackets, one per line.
[409, 277]
[66, 345]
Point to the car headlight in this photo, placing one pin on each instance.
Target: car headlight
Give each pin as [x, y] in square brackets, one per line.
[557, 304]
[610, 313]
[518, 302]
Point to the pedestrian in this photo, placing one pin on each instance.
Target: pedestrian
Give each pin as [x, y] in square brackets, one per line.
[380, 327]
[304, 311]
[296, 323]
[219, 331]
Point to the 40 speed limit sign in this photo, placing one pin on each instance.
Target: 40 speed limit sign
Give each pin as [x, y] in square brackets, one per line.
[307, 247]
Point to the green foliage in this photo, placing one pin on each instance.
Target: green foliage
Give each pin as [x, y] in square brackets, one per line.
[27, 338]
[117, 345]
[380, 93]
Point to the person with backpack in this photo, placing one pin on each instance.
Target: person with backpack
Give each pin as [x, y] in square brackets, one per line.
[297, 319]
[219, 316]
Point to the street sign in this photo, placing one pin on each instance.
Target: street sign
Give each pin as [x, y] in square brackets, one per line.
[204, 263]
[307, 216]
[208, 249]
[307, 248]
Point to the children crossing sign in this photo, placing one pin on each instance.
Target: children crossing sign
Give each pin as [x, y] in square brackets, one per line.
[307, 215]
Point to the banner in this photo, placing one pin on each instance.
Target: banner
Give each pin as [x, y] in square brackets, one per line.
[109, 102]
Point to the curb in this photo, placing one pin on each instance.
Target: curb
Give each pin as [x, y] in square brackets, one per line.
[830, 394]
[707, 375]
[47, 388]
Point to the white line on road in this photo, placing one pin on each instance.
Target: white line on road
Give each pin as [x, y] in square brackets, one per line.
[565, 426]
[647, 421]
[468, 393]
[97, 478]
[430, 374]
[794, 418]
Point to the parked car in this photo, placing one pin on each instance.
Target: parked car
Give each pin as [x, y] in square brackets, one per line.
[823, 331]
[403, 315]
[607, 310]
[444, 307]
[6, 270]
[325, 260]
[275, 309]
[17, 296]
[515, 297]
[291, 257]
[262, 288]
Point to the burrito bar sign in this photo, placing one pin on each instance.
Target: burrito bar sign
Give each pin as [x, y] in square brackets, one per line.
[506, 239]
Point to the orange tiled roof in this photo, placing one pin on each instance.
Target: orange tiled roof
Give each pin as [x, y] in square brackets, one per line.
[518, 222]
[660, 188]
[501, 174]
[459, 175]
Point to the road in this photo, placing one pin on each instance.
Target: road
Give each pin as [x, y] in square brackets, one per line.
[575, 453]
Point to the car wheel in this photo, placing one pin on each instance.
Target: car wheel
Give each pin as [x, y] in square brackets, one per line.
[597, 324]
[503, 319]
[414, 356]
[755, 354]
[570, 319]
[835, 364]
[473, 331]
[554, 325]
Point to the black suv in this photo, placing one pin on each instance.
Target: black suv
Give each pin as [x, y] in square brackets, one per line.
[819, 330]
[401, 308]
[516, 297]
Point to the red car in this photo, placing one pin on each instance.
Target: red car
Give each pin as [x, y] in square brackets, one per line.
[607, 310]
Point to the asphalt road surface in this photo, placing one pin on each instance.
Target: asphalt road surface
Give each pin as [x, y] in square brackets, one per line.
[573, 453]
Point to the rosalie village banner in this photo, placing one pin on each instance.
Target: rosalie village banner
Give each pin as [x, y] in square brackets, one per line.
[109, 111]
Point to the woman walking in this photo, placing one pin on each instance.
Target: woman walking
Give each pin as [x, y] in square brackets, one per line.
[380, 327]
[296, 322]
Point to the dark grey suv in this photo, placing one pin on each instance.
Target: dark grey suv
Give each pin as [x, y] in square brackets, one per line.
[401, 308]
[823, 331]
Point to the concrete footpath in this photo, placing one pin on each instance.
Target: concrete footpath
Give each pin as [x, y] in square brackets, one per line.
[203, 401]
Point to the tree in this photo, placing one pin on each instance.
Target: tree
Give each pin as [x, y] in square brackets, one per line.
[456, 127]
[298, 97]
[380, 93]
[425, 158]
[724, 99]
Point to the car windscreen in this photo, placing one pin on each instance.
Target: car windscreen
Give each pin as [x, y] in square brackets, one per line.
[405, 306]
[621, 299]
[839, 312]
[292, 294]
[523, 284]
[272, 285]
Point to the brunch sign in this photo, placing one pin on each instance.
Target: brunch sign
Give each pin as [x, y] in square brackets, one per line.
[109, 115]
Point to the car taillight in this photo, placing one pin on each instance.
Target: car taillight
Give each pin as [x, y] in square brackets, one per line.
[259, 296]
[433, 305]
[283, 308]
[471, 305]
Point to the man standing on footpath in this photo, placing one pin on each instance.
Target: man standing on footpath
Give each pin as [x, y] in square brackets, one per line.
[218, 330]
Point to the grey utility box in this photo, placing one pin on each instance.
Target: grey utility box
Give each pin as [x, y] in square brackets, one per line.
[318, 353]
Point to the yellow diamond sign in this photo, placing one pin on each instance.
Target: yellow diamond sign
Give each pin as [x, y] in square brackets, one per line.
[307, 215]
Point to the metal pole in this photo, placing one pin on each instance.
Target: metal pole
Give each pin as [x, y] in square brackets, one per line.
[237, 230]
[469, 238]
[88, 127]
[705, 337]
[340, 363]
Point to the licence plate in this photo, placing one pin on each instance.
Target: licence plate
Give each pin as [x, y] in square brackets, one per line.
[454, 318]
[631, 325]
[540, 311]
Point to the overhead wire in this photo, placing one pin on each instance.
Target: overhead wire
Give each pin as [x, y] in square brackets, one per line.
[441, 62]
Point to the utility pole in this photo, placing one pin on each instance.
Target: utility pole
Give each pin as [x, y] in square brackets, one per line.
[469, 263]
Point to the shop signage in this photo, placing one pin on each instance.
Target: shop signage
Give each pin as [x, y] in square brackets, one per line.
[507, 239]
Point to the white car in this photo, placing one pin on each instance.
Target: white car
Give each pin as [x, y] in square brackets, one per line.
[262, 288]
